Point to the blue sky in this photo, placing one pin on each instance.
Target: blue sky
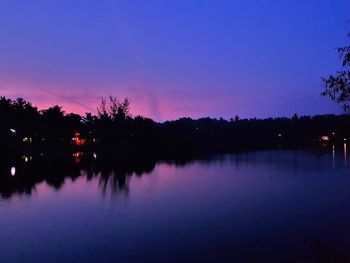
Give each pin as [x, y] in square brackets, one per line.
[173, 58]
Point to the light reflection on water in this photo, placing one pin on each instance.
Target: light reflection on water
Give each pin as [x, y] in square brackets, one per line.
[277, 206]
[345, 157]
[13, 171]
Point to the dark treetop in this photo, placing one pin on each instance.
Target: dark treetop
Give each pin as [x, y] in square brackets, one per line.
[114, 130]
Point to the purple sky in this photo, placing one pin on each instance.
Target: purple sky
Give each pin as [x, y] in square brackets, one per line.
[173, 58]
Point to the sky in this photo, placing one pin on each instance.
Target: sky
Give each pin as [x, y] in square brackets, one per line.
[174, 58]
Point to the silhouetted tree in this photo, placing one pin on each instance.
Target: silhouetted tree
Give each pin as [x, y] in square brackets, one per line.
[295, 117]
[102, 110]
[53, 113]
[114, 130]
[337, 86]
[118, 110]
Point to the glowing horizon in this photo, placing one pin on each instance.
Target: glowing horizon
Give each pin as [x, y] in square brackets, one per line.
[175, 59]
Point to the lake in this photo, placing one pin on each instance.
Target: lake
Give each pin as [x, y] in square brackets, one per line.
[268, 206]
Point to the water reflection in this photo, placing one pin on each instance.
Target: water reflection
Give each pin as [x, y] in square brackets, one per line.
[13, 171]
[345, 160]
[52, 169]
[114, 174]
[333, 156]
[275, 206]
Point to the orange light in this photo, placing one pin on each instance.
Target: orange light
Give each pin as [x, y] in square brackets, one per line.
[77, 140]
[324, 138]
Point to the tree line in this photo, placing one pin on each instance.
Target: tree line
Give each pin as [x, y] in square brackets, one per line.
[114, 129]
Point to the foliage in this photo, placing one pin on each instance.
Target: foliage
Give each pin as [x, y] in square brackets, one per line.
[116, 131]
[337, 86]
[115, 110]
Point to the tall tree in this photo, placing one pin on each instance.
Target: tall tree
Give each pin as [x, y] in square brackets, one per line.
[102, 110]
[337, 86]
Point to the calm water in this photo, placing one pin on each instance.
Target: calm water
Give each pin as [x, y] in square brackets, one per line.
[277, 206]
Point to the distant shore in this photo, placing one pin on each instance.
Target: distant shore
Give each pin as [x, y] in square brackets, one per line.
[115, 131]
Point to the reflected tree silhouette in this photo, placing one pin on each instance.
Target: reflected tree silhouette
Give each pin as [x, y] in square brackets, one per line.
[22, 174]
[112, 175]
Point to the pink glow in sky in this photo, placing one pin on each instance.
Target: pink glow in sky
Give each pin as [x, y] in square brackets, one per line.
[173, 59]
[146, 100]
